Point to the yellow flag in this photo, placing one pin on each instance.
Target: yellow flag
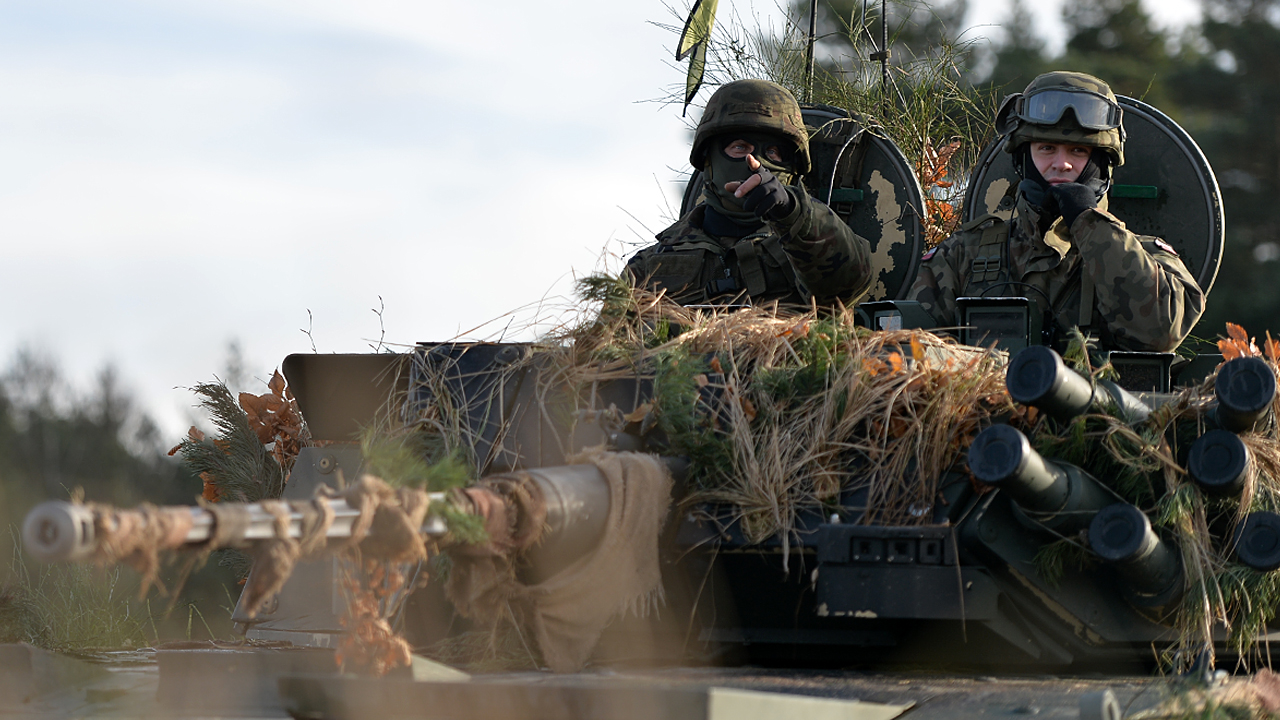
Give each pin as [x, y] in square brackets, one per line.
[693, 41]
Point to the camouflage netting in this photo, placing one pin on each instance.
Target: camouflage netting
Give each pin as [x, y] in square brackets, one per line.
[777, 410]
[780, 412]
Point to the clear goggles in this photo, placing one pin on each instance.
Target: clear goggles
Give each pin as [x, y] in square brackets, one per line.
[1046, 107]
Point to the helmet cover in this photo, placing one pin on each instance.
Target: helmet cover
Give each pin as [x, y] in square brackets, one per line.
[752, 106]
[1064, 107]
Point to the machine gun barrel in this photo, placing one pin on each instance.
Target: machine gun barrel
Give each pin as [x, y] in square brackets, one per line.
[1219, 463]
[1037, 376]
[64, 531]
[564, 508]
[1150, 568]
[1245, 387]
[1057, 495]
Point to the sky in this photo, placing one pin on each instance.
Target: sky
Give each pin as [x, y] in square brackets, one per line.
[329, 174]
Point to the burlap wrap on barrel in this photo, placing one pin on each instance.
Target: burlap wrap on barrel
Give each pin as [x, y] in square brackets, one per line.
[567, 612]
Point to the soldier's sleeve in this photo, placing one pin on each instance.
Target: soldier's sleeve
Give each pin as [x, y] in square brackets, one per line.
[1146, 296]
[939, 281]
[833, 262]
[635, 265]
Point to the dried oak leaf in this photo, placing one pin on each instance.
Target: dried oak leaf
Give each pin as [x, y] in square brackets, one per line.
[194, 435]
[210, 491]
[917, 350]
[640, 413]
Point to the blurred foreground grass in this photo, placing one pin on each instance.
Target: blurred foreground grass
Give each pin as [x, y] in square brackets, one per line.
[79, 608]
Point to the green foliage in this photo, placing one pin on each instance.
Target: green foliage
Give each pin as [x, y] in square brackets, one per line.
[816, 359]
[236, 462]
[413, 459]
[686, 418]
[1117, 40]
[1250, 598]
[1226, 96]
[1175, 509]
[417, 459]
[1053, 559]
[921, 103]
[55, 438]
[1020, 56]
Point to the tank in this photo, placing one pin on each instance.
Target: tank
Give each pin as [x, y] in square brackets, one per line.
[961, 587]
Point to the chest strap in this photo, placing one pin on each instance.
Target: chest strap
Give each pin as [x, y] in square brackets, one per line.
[753, 274]
[1086, 299]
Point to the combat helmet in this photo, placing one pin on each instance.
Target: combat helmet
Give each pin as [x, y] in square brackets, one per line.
[755, 106]
[1040, 113]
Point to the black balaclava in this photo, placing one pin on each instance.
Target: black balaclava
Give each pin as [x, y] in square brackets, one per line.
[721, 169]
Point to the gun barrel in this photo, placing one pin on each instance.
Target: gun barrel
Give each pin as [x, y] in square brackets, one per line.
[1151, 569]
[1245, 387]
[62, 531]
[1058, 495]
[1037, 376]
[1219, 462]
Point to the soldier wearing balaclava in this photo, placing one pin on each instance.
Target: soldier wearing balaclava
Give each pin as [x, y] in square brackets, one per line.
[757, 236]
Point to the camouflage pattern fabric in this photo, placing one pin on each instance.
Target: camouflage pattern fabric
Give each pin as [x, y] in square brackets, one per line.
[808, 256]
[1144, 297]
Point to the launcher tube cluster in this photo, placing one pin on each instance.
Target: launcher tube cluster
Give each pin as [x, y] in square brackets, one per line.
[1064, 498]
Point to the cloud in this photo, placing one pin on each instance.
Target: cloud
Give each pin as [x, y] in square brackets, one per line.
[178, 174]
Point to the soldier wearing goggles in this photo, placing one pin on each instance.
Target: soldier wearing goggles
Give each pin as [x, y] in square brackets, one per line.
[1062, 248]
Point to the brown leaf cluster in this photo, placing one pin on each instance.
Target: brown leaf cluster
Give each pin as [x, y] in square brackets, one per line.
[940, 217]
[1237, 344]
[940, 221]
[932, 168]
[370, 645]
[274, 417]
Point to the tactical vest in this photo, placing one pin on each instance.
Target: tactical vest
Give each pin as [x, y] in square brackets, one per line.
[700, 271]
[990, 268]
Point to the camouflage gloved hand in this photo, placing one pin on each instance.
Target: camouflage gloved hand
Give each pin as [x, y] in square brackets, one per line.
[763, 193]
[1074, 198]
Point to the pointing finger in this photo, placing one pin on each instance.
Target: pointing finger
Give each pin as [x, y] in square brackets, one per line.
[747, 186]
[753, 163]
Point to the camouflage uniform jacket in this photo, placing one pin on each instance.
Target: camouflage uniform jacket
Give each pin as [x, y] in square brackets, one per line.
[1144, 298]
[809, 255]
